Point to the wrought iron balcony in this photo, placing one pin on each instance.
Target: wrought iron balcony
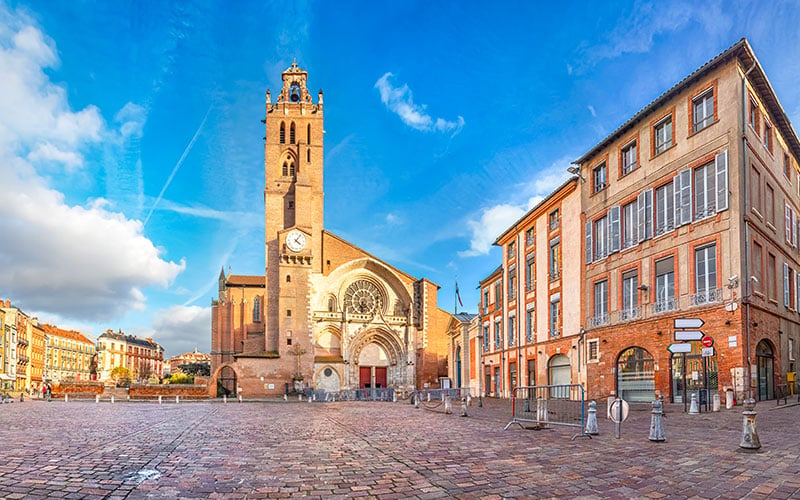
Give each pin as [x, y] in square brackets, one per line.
[630, 314]
[707, 297]
[598, 320]
[665, 305]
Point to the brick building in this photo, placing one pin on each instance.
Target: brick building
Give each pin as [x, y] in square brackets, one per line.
[690, 211]
[173, 364]
[531, 333]
[325, 314]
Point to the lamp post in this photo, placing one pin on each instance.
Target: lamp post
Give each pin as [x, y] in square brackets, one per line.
[480, 371]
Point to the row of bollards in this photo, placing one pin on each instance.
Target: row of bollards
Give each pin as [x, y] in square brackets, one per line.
[448, 404]
[749, 440]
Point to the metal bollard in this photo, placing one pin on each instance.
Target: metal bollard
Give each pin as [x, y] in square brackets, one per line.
[541, 412]
[693, 407]
[177, 399]
[657, 422]
[715, 403]
[96, 398]
[285, 397]
[299, 397]
[240, 398]
[448, 406]
[416, 400]
[159, 399]
[429, 397]
[309, 399]
[66, 398]
[750, 439]
[464, 403]
[394, 397]
[591, 419]
[112, 399]
[224, 398]
[469, 400]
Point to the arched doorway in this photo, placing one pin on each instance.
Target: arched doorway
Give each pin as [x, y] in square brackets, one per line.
[458, 367]
[765, 360]
[372, 366]
[559, 373]
[226, 382]
[636, 375]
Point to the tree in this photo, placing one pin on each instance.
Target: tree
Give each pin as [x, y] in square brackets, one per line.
[121, 376]
[180, 378]
[202, 369]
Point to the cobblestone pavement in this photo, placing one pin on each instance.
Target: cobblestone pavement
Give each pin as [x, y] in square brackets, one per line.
[281, 449]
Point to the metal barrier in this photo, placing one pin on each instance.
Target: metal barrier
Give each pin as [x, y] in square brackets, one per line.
[545, 405]
[372, 394]
[441, 394]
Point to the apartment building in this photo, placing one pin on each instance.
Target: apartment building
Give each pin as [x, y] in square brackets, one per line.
[690, 212]
[462, 331]
[141, 356]
[531, 318]
[69, 356]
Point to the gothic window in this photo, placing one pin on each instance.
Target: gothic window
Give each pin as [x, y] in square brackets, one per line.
[363, 297]
[291, 169]
[331, 304]
[291, 134]
[288, 278]
[283, 133]
[285, 169]
[308, 134]
[308, 155]
[256, 310]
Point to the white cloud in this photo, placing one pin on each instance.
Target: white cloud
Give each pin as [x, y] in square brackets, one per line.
[83, 262]
[183, 328]
[399, 100]
[591, 110]
[392, 219]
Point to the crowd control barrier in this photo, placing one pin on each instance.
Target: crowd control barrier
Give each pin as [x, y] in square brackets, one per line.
[546, 405]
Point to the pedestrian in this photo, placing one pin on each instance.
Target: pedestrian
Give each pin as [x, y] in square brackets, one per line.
[44, 391]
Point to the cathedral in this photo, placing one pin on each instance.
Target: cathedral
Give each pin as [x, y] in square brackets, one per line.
[325, 314]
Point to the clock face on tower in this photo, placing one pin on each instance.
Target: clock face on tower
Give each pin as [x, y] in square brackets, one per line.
[295, 240]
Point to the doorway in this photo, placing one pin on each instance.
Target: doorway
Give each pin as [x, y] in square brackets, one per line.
[458, 367]
[636, 380]
[765, 359]
[226, 382]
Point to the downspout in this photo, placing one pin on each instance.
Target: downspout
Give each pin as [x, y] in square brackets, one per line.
[746, 194]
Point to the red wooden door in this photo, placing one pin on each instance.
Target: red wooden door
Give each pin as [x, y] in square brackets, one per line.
[364, 376]
[380, 376]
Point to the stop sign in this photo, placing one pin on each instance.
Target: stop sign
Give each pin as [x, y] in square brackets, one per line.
[707, 341]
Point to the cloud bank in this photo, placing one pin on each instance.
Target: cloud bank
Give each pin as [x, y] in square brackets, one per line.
[399, 101]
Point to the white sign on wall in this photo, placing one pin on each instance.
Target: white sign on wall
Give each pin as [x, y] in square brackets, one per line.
[732, 341]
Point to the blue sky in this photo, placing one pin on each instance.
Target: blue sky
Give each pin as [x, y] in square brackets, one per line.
[131, 157]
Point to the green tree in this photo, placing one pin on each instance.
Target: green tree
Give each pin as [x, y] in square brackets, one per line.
[180, 378]
[121, 376]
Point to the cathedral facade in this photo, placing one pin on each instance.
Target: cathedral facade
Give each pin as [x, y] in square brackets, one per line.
[325, 314]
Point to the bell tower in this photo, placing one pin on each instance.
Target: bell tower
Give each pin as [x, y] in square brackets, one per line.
[293, 212]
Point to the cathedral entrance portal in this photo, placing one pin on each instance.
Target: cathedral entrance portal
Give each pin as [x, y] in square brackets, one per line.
[379, 361]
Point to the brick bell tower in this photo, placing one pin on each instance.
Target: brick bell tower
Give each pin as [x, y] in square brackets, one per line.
[293, 212]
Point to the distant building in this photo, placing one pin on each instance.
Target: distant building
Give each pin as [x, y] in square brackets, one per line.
[68, 355]
[143, 357]
[13, 319]
[173, 364]
[463, 351]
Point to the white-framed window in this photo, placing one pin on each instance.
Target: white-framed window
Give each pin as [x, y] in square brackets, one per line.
[512, 329]
[665, 285]
[630, 224]
[705, 199]
[662, 132]
[665, 209]
[511, 248]
[529, 319]
[512, 282]
[600, 238]
[599, 177]
[530, 271]
[630, 295]
[703, 110]
[705, 265]
[629, 156]
[555, 303]
[600, 303]
[498, 337]
[554, 258]
[486, 337]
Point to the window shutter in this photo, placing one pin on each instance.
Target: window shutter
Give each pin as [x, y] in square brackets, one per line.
[589, 245]
[722, 181]
[683, 197]
[645, 203]
[794, 225]
[640, 206]
[786, 284]
[787, 223]
[797, 291]
[614, 244]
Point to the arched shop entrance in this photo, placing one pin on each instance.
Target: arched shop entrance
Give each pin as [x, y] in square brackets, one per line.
[765, 360]
[635, 375]
[691, 373]
[226, 382]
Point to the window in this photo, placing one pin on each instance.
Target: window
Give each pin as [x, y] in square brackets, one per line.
[529, 318]
[599, 177]
[553, 219]
[485, 337]
[772, 289]
[767, 135]
[757, 266]
[498, 295]
[755, 189]
[285, 170]
[787, 172]
[555, 301]
[703, 110]
[512, 323]
[554, 264]
[665, 285]
[593, 348]
[600, 303]
[769, 205]
[790, 224]
[630, 224]
[291, 134]
[662, 133]
[308, 136]
[497, 338]
[530, 272]
[629, 157]
[705, 265]
[288, 313]
[600, 238]
[256, 310]
[630, 296]
[510, 250]
[787, 287]
[283, 133]
[512, 283]
[530, 236]
[665, 209]
[308, 155]
[791, 350]
[753, 118]
[704, 191]
[486, 299]
[291, 169]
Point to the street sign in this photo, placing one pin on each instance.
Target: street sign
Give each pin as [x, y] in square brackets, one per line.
[614, 411]
[679, 348]
[688, 322]
[688, 334]
[707, 352]
[707, 341]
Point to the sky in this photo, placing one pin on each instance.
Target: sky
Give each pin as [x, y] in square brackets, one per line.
[131, 151]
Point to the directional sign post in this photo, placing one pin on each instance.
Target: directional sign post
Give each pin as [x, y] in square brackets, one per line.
[688, 322]
[688, 334]
[679, 348]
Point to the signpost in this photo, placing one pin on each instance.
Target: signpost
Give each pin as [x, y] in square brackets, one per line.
[686, 331]
[619, 413]
[688, 335]
[679, 348]
[689, 322]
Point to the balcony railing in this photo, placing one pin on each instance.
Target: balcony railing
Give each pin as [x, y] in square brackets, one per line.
[629, 314]
[707, 297]
[598, 320]
[555, 334]
[666, 305]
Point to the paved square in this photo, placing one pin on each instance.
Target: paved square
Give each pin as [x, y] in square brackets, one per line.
[283, 449]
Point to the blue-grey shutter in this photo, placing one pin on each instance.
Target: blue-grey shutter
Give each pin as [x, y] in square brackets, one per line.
[645, 203]
[589, 242]
[786, 284]
[614, 230]
[683, 197]
[722, 181]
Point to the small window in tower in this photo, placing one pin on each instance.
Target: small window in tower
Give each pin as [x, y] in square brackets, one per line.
[308, 134]
[308, 155]
[285, 169]
[291, 169]
[291, 134]
[289, 280]
[288, 313]
[331, 305]
[283, 133]
[291, 204]
[289, 341]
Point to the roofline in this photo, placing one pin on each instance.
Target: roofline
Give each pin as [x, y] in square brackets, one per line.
[393, 268]
[740, 49]
[538, 206]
